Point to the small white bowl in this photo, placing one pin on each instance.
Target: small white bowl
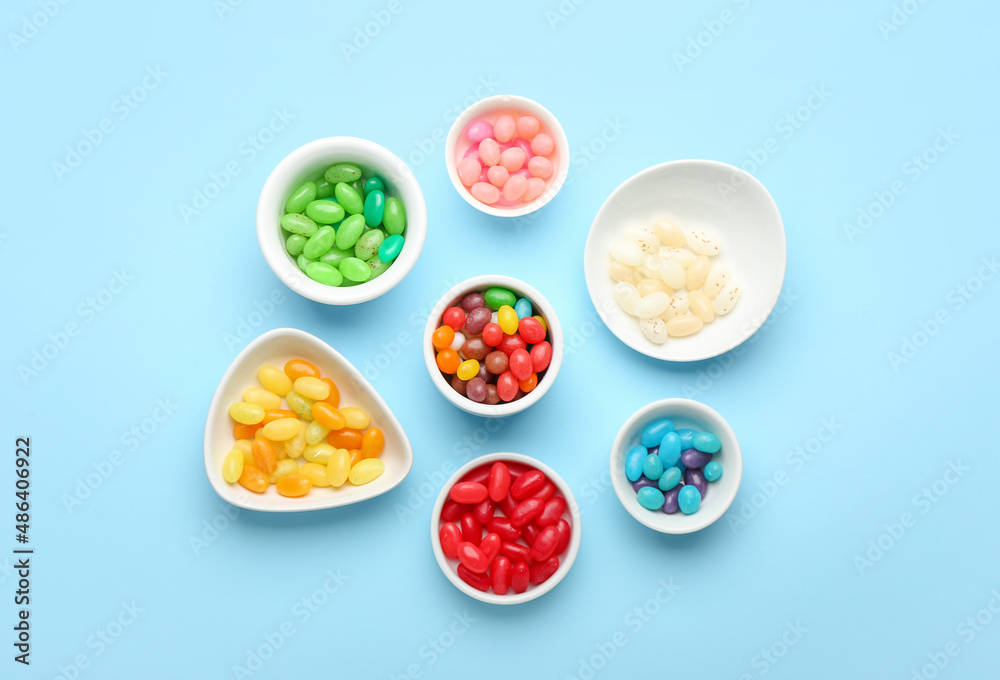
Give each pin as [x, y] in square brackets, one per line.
[307, 163]
[745, 221]
[503, 102]
[540, 305]
[686, 413]
[450, 567]
[275, 348]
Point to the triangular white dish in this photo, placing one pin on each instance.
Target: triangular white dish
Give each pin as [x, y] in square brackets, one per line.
[275, 348]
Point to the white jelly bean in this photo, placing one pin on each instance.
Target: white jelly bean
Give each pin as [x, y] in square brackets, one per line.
[627, 296]
[685, 324]
[652, 305]
[727, 299]
[644, 238]
[650, 266]
[716, 279]
[702, 243]
[679, 304]
[655, 329]
[682, 255]
[697, 272]
[619, 272]
[672, 273]
[701, 306]
[669, 233]
[647, 286]
[459, 340]
[627, 252]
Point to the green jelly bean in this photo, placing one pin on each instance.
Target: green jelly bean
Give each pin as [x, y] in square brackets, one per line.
[320, 242]
[368, 244]
[497, 297]
[394, 218]
[349, 198]
[359, 186]
[335, 256]
[389, 250]
[324, 189]
[374, 208]
[325, 212]
[324, 273]
[350, 230]
[296, 203]
[294, 244]
[356, 270]
[303, 261]
[342, 172]
[377, 266]
[298, 224]
[374, 184]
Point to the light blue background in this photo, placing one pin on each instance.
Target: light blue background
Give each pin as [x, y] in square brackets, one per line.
[826, 355]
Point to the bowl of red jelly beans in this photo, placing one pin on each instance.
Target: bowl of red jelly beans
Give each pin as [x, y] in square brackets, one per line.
[493, 345]
[505, 528]
[507, 155]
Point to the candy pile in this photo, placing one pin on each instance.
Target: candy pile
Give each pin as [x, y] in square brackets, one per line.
[337, 444]
[342, 229]
[490, 347]
[511, 160]
[670, 469]
[666, 279]
[526, 521]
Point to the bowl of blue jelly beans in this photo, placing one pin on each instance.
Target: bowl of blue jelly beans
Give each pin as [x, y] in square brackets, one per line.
[676, 466]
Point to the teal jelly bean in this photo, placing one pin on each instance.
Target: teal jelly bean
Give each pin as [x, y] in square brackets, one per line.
[350, 230]
[320, 242]
[324, 273]
[670, 478]
[374, 208]
[349, 198]
[342, 172]
[377, 266]
[303, 194]
[298, 224]
[497, 297]
[652, 467]
[706, 442]
[324, 189]
[368, 244]
[670, 449]
[294, 243]
[325, 212]
[689, 498]
[650, 498]
[303, 261]
[712, 471]
[686, 435]
[633, 463]
[394, 216]
[655, 431]
[354, 269]
[336, 255]
[390, 248]
[522, 307]
[374, 184]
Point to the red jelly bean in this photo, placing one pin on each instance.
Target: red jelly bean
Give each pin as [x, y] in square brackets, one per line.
[531, 330]
[542, 571]
[470, 493]
[529, 533]
[541, 355]
[507, 385]
[472, 557]
[507, 505]
[491, 546]
[528, 484]
[525, 512]
[565, 534]
[450, 536]
[552, 512]
[515, 551]
[499, 481]
[502, 526]
[454, 317]
[500, 573]
[520, 364]
[547, 491]
[452, 511]
[484, 511]
[545, 544]
[520, 577]
[510, 343]
[492, 334]
[479, 475]
[477, 581]
[472, 530]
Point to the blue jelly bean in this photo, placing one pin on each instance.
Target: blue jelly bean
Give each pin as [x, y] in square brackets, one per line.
[633, 463]
[670, 478]
[696, 478]
[650, 498]
[652, 467]
[693, 458]
[654, 432]
[523, 308]
[670, 449]
[670, 500]
[712, 471]
[707, 442]
[642, 483]
[687, 437]
[689, 499]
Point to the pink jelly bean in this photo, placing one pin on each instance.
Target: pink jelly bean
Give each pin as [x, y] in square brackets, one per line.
[542, 144]
[528, 126]
[540, 166]
[479, 131]
[515, 187]
[489, 151]
[498, 176]
[505, 128]
[484, 176]
[512, 159]
[468, 171]
[485, 192]
[524, 145]
[472, 152]
[536, 187]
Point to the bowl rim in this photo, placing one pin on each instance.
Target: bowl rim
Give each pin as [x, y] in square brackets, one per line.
[279, 183]
[538, 302]
[564, 564]
[623, 488]
[508, 101]
[648, 348]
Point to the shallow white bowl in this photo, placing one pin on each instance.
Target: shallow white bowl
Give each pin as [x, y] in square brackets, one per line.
[686, 413]
[540, 305]
[745, 221]
[275, 348]
[500, 102]
[450, 567]
[306, 163]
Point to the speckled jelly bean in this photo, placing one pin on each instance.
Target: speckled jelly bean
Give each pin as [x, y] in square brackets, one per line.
[299, 224]
[368, 244]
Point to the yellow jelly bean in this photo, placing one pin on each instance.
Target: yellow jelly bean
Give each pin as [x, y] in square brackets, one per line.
[313, 388]
[294, 486]
[467, 369]
[300, 404]
[274, 380]
[245, 446]
[247, 414]
[266, 400]
[297, 444]
[338, 467]
[232, 466]
[316, 473]
[540, 320]
[507, 318]
[285, 467]
[279, 450]
[319, 453]
[316, 433]
[366, 470]
[282, 429]
[355, 417]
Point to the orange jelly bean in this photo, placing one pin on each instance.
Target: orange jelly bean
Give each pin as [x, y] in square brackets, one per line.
[443, 337]
[277, 414]
[241, 431]
[372, 443]
[298, 368]
[253, 479]
[264, 455]
[334, 398]
[448, 361]
[293, 486]
[345, 439]
[327, 415]
[355, 456]
[526, 385]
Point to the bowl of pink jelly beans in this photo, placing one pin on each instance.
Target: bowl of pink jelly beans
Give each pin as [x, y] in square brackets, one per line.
[507, 155]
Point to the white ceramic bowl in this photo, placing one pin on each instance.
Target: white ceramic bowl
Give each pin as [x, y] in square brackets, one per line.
[275, 348]
[692, 194]
[686, 413]
[450, 567]
[541, 306]
[307, 163]
[505, 102]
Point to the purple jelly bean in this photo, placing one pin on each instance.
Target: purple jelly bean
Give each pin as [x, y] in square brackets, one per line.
[670, 504]
[477, 319]
[693, 458]
[653, 450]
[643, 481]
[696, 478]
[472, 301]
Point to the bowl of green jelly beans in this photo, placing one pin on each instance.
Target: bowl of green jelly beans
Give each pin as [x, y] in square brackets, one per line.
[341, 220]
